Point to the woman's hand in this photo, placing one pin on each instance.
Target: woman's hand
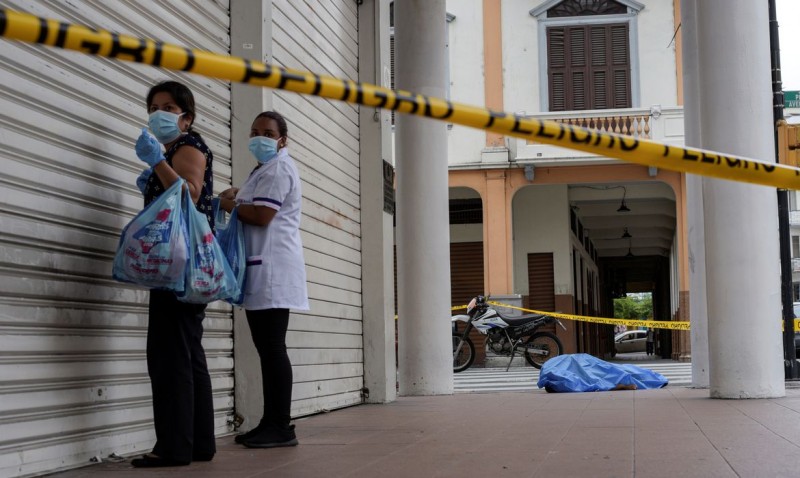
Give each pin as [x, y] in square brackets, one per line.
[229, 194]
[141, 181]
[148, 149]
[226, 204]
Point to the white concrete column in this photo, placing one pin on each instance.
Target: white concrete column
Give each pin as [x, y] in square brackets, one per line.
[698, 314]
[251, 38]
[423, 236]
[377, 235]
[741, 227]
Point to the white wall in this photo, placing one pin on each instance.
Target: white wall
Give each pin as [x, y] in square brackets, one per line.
[657, 77]
[462, 193]
[520, 56]
[466, 233]
[466, 76]
[522, 62]
[539, 228]
[654, 50]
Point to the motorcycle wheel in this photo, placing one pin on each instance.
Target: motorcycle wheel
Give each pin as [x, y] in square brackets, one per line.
[465, 356]
[545, 342]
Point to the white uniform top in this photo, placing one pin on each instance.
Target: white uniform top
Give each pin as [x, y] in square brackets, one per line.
[276, 273]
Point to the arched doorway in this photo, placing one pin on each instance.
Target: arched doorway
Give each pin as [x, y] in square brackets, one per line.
[629, 231]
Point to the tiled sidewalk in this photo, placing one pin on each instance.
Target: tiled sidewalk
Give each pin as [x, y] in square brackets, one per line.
[649, 433]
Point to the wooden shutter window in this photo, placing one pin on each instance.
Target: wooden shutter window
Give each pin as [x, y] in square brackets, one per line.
[619, 44]
[579, 96]
[557, 62]
[599, 48]
[577, 47]
[579, 62]
[600, 85]
[558, 92]
[541, 282]
[588, 67]
[621, 66]
[622, 94]
[466, 271]
[555, 46]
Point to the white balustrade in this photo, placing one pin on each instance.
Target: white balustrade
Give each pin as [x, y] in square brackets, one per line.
[661, 124]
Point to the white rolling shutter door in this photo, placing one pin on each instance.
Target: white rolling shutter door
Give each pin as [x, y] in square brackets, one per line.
[73, 375]
[326, 346]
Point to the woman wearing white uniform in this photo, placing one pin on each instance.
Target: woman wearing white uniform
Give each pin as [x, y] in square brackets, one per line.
[268, 204]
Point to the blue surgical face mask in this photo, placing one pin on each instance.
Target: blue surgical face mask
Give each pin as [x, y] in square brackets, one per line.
[263, 148]
[164, 126]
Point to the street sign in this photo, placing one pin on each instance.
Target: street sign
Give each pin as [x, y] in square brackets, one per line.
[791, 99]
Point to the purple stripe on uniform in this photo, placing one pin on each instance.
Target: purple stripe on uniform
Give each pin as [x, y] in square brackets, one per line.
[272, 201]
[255, 262]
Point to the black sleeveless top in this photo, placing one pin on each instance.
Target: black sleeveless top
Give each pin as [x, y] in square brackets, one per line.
[154, 188]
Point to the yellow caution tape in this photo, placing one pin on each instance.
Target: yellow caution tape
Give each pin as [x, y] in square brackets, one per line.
[796, 325]
[33, 29]
[655, 324]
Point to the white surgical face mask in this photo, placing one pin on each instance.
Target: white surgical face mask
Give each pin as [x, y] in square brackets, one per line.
[164, 126]
[263, 148]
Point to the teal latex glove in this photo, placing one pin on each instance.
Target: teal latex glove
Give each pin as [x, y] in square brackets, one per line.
[141, 181]
[148, 149]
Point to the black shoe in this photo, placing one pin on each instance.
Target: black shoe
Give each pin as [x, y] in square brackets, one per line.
[273, 437]
[242, 437]
[152, 461]
[202, 456]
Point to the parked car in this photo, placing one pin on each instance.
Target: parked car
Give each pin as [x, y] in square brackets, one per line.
[630, 341]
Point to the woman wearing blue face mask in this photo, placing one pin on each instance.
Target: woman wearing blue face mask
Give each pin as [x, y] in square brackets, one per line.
[268, 204]
[183, 409]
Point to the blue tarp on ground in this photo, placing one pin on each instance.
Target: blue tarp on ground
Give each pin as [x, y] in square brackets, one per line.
[586, 373]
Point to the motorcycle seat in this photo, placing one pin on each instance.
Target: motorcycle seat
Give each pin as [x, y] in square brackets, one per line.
[521, 319]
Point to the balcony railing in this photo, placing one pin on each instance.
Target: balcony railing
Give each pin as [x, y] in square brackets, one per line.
[664, 125]
[636, 125]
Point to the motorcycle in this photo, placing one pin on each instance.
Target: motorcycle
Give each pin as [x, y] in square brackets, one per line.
[504, 335]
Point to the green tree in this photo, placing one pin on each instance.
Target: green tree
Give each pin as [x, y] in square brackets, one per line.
[625, 308]
[645, 307]
[634, 306]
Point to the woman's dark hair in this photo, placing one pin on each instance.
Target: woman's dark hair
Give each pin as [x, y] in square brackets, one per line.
[282, 128]
[183, 98]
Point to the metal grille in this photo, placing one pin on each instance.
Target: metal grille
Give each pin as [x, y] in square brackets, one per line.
[72, 341]
[466, 211]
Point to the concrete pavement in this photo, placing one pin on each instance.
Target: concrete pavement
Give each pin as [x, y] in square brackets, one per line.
[650, 433]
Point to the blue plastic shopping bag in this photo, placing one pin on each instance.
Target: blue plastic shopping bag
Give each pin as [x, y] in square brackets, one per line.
[152, 250]
[208, 275]
[230, 236]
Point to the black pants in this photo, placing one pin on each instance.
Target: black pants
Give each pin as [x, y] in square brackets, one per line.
[268, 328]
[183, 409]
[649, 348]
